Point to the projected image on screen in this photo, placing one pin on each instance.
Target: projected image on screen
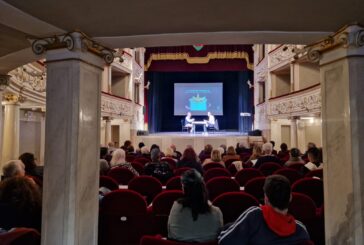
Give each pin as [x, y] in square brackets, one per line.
[198, 98]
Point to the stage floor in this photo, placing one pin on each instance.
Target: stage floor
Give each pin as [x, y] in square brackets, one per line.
[197, 140]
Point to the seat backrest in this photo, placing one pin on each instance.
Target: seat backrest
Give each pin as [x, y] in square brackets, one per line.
[212, 165]
[172, 163]
[139, 167]
[180, 171]
[155, 240]
[174, 183]
[268, 168]
[232, 169]
[233, 204]
[311, 187]
[121, 175]
[142, 160]
[20, 236]
[315, 173]
[246, 174]
[147, 186]
[255, 188]
[291, 174]
[108, 182]
[302, 207]
[219, 185]
[215, 172]
[296, 166]
[122, 217]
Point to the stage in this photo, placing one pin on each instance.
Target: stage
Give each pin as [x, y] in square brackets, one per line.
[197, 140]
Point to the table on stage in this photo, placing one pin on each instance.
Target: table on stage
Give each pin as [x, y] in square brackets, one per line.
[194, 123]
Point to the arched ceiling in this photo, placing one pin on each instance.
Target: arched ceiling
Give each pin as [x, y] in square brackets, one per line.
[173, 22]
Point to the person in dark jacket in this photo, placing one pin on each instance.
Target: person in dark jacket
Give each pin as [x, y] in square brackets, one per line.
[269, 224]
[158, 169]
[267, 156]
[189, 159]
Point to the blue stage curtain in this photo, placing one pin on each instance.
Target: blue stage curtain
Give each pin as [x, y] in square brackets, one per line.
[237, 98]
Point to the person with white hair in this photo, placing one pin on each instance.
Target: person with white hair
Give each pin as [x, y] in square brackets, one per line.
[13, 168]
[267, 156]
[169, 154]
[118, 160]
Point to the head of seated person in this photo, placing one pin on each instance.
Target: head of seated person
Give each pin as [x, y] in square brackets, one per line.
[13, 168]
[155, 155]
[314, 155]
[267, 149]
[277, 193]
[29, 161]
[118, 157]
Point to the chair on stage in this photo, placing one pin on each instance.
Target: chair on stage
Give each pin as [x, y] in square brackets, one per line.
[183, 124]
[213, 128]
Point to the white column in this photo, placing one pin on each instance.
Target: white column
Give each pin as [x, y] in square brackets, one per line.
[107, 130]
[4, 82]
[341, 60]
[70, 194]
[294, 138]
[42, 139]
[11, 128]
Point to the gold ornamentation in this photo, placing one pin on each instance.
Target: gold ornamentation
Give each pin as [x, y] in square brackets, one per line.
[14, 98]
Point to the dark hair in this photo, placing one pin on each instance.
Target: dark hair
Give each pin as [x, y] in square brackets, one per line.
[29, 161]
[295, 152]
[140, 145]
[278, 191]
[154, 146]
[189, 155]
[284, 147]
[194, 193]
[22, 193]
[273, 143]
[127, 143]
[103, 152]
[315, 154]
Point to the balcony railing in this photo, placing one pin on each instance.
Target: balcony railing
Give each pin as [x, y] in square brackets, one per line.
[280, 56]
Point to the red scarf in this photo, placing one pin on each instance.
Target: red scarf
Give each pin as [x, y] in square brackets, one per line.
[282, 225]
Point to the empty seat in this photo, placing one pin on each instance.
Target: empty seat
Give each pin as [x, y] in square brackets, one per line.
[246, 174]
[174, 183]
[291, 174]
[215, 172]
[232, 169]
[269, 168]
[296, 166]
[315, 173]
[311, 187]
[20, 236]
[147, 186]
[255, 188]
[109, 183]
[233, 204]
[219, 185]
[122, 218]
[212, 165]
[180, 171]
[138, 167]
[161, 208]
[121, 175]
[158, 240]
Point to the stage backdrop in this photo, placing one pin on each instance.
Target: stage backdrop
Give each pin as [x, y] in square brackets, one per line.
[237, 98]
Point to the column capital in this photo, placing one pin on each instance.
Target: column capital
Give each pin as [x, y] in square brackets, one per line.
[106, 118]
[10, 98]
[350, 39]
[4, 81]
[73, 41]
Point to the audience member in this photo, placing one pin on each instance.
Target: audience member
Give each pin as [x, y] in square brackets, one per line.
[223, 146]
[127, 144]
[205, 153]
[176, 154]
[274, 152]
[20, 203]
[270, 223]
[169, 155]
[31, 167]
[138, 151]
[118, 160]
[193, 218]
[145, 152]
[104, 167]
[257, 153]
[13, 168]
[110, 147]
[231, 154]
[189, 159]
[158, 169]
[294, 157]
[215, 158]
[284, 152]
[267, 156]
[309, 146]
[314, 160]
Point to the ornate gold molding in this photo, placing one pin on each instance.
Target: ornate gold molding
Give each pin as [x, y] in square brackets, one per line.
[348, 36]
[68, 41]
[13, 98]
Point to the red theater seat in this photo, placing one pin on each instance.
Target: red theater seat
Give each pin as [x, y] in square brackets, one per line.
[172, 163]
[174, 183]
[122, 219]
[311, 187]
[142, 160]
[246, 174]
[121, 175]
[233, 204]
[180, 171]
[219, 185]
[109, 183]
[212, 165]
[255, 188]
[269, 168]
[138, 167]
[20, 236]
[315, 173]
[296, 166]
[161, 208]
[291, 174]
[147, 186]
[158, 240]
[216, 172]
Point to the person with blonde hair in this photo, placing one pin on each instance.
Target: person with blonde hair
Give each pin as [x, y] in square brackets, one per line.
[231, 154]
[118, 160]
[215, 158]
[169, 153]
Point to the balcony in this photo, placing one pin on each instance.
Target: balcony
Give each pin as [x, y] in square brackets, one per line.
[281, 56]
[116, 106]
[303, 102]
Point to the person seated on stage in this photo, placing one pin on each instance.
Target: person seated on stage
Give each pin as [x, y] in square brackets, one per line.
[267, 156]
[193, 218]
[270, 223]
[157, 168]
[215, 158]
[189, 159]
[231, 154]
[209, 123]
[188, 122]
